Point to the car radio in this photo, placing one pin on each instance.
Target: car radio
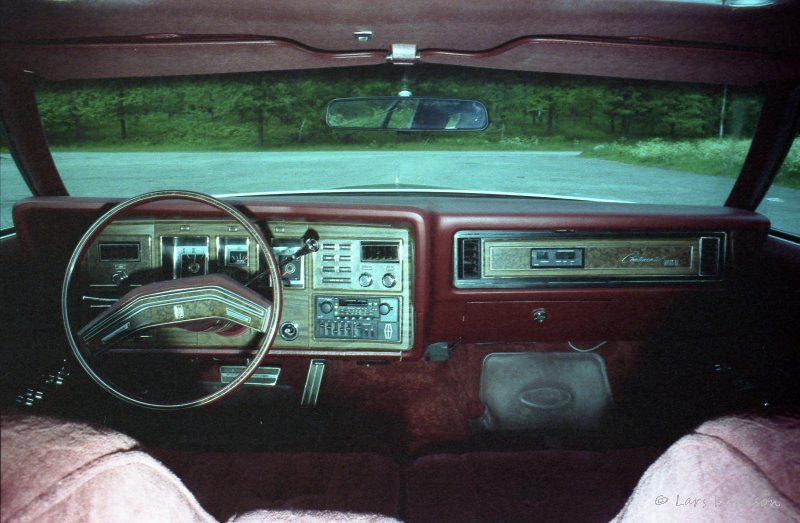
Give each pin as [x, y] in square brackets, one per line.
[357, 318]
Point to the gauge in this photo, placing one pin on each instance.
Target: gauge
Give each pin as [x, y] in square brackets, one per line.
[192, 265]
[184, 256]
[236, 258]
[232, 252]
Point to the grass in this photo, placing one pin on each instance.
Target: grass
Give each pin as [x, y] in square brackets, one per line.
[449, 144]
[707, 156]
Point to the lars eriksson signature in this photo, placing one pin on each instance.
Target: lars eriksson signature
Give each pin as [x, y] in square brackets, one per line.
[714, 502]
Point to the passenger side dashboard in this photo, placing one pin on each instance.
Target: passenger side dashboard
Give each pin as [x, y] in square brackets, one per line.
[524, 259]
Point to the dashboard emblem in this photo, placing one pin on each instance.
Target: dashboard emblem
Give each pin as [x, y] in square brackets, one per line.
[638, 258]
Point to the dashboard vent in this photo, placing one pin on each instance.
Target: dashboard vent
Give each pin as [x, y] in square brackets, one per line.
[709, 256]
[470, 259]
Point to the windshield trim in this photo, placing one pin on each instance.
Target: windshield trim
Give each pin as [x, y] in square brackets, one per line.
[438, 192]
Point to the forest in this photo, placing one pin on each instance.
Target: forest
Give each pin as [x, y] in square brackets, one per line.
[699, 128]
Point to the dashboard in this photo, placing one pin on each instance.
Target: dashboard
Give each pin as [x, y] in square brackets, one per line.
[353, 295]
[398, 274]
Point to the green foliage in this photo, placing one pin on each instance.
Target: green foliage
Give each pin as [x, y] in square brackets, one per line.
[789, 173]
[285, 109]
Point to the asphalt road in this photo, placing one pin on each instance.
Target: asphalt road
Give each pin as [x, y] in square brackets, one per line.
[552, 173]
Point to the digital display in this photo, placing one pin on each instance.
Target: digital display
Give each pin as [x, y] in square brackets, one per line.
[352, 302]
[556, 258]
[119, 251]
[380, 251]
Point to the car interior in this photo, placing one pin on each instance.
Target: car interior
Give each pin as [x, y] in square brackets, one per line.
[397, 354]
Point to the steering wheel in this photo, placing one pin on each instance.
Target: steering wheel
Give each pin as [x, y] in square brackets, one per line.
[211, 299]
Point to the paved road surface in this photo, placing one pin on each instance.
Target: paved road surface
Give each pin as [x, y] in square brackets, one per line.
[558, 173]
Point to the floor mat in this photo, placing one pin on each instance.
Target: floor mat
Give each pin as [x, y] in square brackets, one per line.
[541, 486]
[229, 483]
[544, 391]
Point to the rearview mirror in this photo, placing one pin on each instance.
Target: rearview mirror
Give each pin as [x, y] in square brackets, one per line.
[406, 113]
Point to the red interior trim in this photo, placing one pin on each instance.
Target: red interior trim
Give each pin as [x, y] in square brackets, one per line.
[777, 129]
[627, 59]
[64, 61]
[23, 126]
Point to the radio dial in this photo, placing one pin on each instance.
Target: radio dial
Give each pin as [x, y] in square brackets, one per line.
[365, 280]
[389, 280]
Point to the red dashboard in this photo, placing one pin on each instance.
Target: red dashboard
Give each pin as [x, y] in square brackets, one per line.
[688, 259]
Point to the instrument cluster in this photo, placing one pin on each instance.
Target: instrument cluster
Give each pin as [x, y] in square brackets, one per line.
[350, 294]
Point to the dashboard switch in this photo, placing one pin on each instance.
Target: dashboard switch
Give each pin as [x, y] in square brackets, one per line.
[119, 278]
[289, 331]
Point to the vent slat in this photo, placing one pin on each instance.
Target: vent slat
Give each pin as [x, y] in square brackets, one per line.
[709, 256]
[470, 260]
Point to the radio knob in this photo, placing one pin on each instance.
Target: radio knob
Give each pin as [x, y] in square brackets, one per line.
[326, 307]
[389, 280]
[289, 331]
[365, 280]
[119, 277]
[384, 309]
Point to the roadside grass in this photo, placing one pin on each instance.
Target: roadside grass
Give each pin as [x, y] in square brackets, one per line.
[704, 156]
[423, 144]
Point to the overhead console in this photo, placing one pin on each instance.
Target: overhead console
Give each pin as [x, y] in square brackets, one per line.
[522, 259]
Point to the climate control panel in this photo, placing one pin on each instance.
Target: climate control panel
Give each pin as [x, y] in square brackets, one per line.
[359, 265]
[357, 318]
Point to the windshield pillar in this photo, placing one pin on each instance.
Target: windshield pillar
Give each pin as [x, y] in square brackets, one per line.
[26, 138]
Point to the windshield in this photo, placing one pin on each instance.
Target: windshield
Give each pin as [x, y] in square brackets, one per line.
[552, 135]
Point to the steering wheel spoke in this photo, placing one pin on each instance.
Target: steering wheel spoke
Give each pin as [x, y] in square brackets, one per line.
[185, 302]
